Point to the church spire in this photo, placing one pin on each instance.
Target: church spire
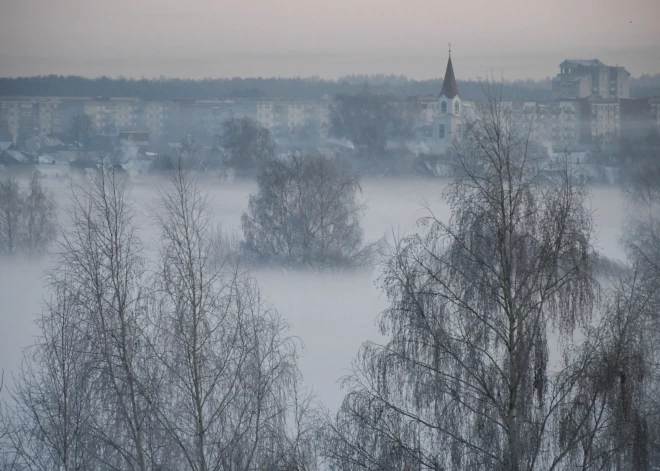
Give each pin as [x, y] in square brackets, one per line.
[449, 87]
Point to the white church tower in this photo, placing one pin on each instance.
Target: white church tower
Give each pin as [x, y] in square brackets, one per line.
[448, 122]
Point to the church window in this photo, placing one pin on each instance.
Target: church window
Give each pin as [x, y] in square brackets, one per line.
[443, 107]
[456, 107]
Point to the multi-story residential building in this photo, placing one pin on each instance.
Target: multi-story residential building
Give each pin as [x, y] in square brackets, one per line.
[591, 78]
[67, 109]
[211, 114]
[154, 117]
[284, 116]
[21, 117]
[639, 117]
[111, 115]
[557, 123]
[128, 114]
[605, 119]
[569, 125]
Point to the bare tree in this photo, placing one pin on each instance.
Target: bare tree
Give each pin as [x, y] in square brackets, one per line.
[305, 212]
[39, 215]
[466, 381]
[616, 411]
[82, 132]
[188, 154]
[49, 420]
[368, 120]
[246, 144]
[103, 257]
[11, 215]
[27, 218]
[230, 365]
[623, 378]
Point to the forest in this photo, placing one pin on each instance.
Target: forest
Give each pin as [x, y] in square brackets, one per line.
[294, 88]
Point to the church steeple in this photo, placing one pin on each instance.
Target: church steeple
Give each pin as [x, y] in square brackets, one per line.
[449, 87]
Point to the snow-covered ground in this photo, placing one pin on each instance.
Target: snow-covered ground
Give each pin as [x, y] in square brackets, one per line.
[331, 313]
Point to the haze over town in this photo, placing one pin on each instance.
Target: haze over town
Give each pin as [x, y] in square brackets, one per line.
[329, 236]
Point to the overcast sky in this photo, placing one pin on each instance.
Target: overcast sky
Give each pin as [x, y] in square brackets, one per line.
[330, 38]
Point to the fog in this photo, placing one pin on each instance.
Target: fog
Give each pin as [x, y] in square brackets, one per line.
[332, 313]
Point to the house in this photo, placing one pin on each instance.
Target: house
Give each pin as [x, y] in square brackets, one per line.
[47, 159]
[139, 138]
[15, 157]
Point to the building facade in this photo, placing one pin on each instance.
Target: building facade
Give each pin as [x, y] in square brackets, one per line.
[448, 121]
[290, 116]
[590, 78]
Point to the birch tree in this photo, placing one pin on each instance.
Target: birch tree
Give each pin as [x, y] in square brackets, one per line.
[621, 388]
[103, 256]
[39, 217]
[478, 305]
[27, 217]
[306, 212]
[11, 211]
[49, 417]
[615, 413]
[230, 365]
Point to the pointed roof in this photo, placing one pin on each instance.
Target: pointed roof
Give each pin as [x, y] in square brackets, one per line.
[449, 87]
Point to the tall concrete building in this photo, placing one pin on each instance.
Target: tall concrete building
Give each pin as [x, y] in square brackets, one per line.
[590, 78]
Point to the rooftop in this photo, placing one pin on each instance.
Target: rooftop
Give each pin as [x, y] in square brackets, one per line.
[449, 87]
[584, 62]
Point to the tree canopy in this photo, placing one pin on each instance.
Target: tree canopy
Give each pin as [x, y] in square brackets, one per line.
[246, 144]
[305, 212]
[369, 121]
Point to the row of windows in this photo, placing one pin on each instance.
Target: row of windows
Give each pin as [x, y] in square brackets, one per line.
[443, 107]
[442, 133]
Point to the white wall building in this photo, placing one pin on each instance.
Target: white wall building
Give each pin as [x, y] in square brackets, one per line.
[448, 122]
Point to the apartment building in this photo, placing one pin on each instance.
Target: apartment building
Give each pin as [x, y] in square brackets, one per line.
[580, 78]
[580, 123]
[209, 115]
[112, 115]
[284, 116]
[639, 117]
[155, 115]
[19, 118]
[605, 120]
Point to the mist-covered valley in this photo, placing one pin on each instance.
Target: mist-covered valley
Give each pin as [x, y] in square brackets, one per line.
[332, 312]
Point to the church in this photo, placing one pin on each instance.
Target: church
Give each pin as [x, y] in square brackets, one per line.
[447, 123]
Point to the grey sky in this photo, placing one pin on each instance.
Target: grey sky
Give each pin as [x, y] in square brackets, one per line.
[224, 38]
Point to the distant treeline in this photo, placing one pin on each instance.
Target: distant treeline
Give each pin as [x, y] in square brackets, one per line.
[295, 88]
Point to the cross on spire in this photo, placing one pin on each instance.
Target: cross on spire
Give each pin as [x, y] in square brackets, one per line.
[450, 48]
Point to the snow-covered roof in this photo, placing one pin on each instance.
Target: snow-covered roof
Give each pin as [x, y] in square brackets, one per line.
[5, 145]
[17, 156]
